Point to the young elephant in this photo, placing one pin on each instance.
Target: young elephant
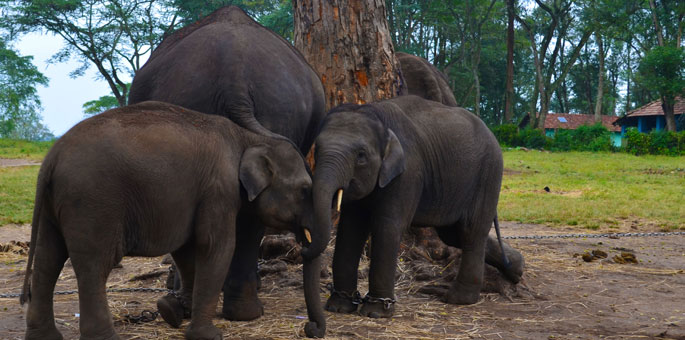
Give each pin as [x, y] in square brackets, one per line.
[401, 162]
[150, 179]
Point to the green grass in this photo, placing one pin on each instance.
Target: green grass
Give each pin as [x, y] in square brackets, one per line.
[587, 190]
[17, 192]
[593, 190]
[11, 148]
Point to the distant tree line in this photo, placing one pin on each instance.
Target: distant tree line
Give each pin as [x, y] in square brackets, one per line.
[505, 59]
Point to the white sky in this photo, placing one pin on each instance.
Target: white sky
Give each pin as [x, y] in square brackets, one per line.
[63, 98]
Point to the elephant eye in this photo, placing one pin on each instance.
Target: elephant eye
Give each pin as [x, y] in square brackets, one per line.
[361, 157]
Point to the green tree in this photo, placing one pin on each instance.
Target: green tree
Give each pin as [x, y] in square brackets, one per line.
[113, 36]
[663, 69]
[19, 101]
[104, 103]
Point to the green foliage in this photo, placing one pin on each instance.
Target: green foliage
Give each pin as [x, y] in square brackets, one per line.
[655, 142]
[506, 134]
[531, 138]
[103, 103]
[663, 70]
[19, 101]
[584, 138]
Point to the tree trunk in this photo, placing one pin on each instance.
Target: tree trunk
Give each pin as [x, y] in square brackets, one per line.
[509, 93]
[668, 114]
[600, 81]
[348, 44]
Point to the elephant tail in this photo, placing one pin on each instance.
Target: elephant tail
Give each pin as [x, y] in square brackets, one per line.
[43, 180]
[505, 259]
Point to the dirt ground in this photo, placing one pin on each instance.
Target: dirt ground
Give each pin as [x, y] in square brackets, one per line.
[561, 296]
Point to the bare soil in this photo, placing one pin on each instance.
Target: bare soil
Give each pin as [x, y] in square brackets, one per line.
[10, 162]
[561, 296]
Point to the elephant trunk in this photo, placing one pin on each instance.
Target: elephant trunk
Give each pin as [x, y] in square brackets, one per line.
[327, 181]
[316, 327]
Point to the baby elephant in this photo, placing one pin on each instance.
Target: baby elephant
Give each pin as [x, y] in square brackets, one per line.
[402, 162]
[150, 179]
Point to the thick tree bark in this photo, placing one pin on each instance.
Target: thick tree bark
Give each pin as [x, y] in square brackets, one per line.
[509, 93]
[600, 80]
[348, 44]
[668, 114]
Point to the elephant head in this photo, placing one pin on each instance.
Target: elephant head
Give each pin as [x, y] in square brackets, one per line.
[356, 153]
[278, 187]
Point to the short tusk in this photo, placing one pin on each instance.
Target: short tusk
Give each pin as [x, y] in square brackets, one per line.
[307, 235]
[339, 202]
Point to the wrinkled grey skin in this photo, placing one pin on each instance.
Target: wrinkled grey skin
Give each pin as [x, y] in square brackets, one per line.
[402, 162]
[425, 80]
[227, 64]
[149, 179]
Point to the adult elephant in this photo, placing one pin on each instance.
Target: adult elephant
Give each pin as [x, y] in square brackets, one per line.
[152, 178]
[401, 162]
[425, 80]
[227, 64]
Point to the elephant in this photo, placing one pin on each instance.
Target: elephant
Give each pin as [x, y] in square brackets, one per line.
[227, 64]
[425, 80]
[154, 178]
[405, 162]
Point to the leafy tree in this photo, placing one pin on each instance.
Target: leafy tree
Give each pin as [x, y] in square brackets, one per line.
[101, 104]
[114, 36]
[663, 69]
[19, 101]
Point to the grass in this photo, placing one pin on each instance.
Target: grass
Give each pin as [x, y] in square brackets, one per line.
[11, 148]
[587, 190]
[593, 190]
[17, 192]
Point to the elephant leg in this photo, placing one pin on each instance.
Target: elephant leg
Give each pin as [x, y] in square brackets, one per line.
[471, 238]
[92, 267]
[385, 244]
[240, 287]
[350, 240]
[214, 248]
[493, 256]
[50, 255]
[177, 306]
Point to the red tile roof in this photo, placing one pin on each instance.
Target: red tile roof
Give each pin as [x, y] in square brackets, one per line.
[573, 121]
[654, 108]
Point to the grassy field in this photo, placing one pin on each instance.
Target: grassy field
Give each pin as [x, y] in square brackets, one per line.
[10, 148]
[587, 190]
[593, 190]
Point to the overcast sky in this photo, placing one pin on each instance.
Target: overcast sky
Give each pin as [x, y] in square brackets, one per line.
[63, 98]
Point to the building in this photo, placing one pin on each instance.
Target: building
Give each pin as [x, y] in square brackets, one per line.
[651, 117]
[572, 121]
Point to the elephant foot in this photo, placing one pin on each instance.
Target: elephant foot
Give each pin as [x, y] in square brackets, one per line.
[209, 332]
[172, 310]
[314, 330]
[343, 302]
[43, 334]
[462, 295]
[374, 307]
[242, 309]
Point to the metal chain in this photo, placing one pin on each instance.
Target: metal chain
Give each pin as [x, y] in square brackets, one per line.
[610, 235]
[355, 297]
[387, 302]
[109, 290]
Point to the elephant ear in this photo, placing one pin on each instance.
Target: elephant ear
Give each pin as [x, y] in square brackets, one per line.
[255, 171]
[394, 162]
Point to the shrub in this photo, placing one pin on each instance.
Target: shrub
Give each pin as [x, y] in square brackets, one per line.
[655, 142]
[637, 143]
[531, 138]
[506, 134]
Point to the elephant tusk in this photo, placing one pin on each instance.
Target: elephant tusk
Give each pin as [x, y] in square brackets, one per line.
[339, 202]
[307, 235]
